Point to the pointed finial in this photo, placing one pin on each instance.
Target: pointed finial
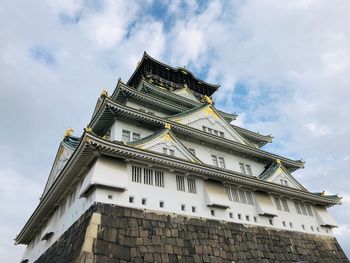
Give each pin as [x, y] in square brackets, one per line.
[185, 86]
[278, 161]
[208, 100]
[88, 129]
[104, 93]
[68, 132]
[167, 126]
[138, 64]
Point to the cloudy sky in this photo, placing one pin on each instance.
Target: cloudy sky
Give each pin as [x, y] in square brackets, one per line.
[283, 66]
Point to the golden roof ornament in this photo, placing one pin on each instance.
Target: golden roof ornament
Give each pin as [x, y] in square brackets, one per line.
[104, 93]
[207, 99]
[88, 129]
[167, 126]
[68, 132]
[278, 161]
[185, 86]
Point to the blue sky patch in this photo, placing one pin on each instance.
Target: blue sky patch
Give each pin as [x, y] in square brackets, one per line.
[43, 55]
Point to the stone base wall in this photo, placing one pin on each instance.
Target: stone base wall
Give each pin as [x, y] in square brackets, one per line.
[107, 233]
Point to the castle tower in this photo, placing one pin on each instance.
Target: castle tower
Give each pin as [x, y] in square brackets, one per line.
[161, 175]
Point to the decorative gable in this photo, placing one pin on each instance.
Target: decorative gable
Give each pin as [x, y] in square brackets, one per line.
[186, 92]
[165, 142]
[64, 152]
[208, 119]
[278, 174]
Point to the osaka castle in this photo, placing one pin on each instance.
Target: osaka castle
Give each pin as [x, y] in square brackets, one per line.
[160, 174]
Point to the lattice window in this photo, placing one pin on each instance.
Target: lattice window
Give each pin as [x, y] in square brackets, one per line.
[180, 183]
[159, 178]
[191, 183]
[136, 174]
[148, 176]
[222, 162]
[125, 136]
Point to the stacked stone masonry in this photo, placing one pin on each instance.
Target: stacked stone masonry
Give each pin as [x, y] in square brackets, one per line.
[132, 235]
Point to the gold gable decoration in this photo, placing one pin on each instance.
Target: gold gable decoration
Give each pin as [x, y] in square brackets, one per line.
[68, 132]
[208, 100]
[104, 93]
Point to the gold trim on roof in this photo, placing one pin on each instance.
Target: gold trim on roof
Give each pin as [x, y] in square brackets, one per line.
[68, 132]
[207, 99]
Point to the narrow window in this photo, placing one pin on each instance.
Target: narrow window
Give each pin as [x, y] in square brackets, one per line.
[239, 216]
[278, 203]
[191, 183]
[204, 128]
[297, 207]
[249, 197]
[214, 158]
[161, 204]
[291, 225]
[285, 205]
[165, 151]
[136, 136]
[271, 222]
[136, 174]
[148, 176]
[235, 196]
[125, 136]
[284, 223]
[110, 197]
[180, 183]
[193, 209]
[210, 130]
[131, 199]
[222, 134]
[212, 212]
[231, 215]
[159, 178]
[242, 196]
[143, 110]
[216, 132]
[144, 201]
[248, 169]
[151, 113]
[192, 151]
[247, 218]
[183, 207]
[255, 219]
[312, 228]
[309, 211]
[303, 226]
[228, 193]
[222, 162]
[241, 166]
[318, 229]
[303, 209]
[171, 152]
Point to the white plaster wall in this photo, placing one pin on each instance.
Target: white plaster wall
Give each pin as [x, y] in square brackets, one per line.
[232, 161]
[173, 199]
[58, 224]
[138, 106]
[119, 126]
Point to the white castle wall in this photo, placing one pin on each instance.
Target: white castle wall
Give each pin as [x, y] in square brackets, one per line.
[58, 224]
[113, 171]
